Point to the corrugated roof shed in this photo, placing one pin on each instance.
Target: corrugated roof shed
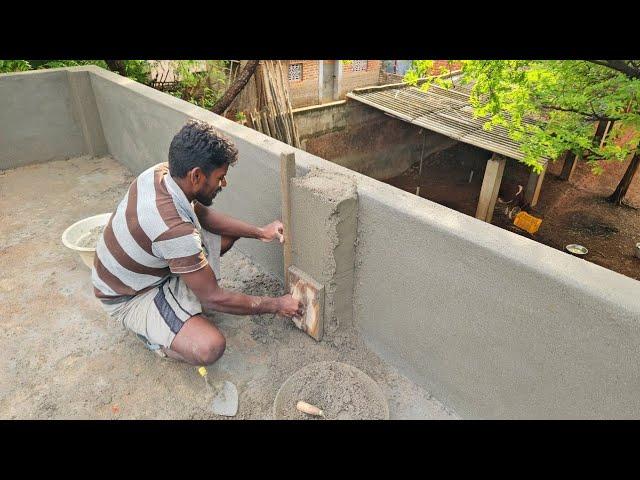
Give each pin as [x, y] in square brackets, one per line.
[445, 111]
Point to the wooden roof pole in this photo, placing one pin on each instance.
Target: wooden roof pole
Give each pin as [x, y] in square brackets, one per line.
[532, 191]
[490, 187]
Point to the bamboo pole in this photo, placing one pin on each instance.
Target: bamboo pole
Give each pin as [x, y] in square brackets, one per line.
[294, 130]
[277, 106]
[284, 106]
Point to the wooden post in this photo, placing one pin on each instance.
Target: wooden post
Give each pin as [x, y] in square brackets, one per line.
[490, 187]
[603, 129]
[287, 172]
[532, 192]
[606, 133]
[569, 166]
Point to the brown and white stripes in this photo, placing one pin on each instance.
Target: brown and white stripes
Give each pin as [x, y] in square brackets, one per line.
[154, 232]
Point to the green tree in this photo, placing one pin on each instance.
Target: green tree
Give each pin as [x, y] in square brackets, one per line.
[201, 82]
[236, 87]
[204, 87]
[7, 66]
[207, 87]
[553, 106]
[139, 70]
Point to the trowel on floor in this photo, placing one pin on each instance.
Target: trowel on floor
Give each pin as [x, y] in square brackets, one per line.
[225, 399]
[225, 396]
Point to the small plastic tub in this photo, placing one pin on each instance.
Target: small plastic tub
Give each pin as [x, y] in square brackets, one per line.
[73, 236]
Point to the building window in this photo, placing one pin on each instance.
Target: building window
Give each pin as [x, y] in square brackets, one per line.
[295, 72]
[360, 65]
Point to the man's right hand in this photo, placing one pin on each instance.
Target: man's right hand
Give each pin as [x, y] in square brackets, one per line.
[289, 307]
[204, 284]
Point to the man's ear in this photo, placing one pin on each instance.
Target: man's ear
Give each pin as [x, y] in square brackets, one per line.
[195, 175]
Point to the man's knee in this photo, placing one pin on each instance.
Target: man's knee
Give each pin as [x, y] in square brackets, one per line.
[211, 349]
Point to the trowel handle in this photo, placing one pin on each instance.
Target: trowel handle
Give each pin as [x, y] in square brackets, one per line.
[310, 409]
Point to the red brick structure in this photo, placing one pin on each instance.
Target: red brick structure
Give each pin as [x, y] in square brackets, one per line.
[303, 91]
[439, 66]
[312, 82]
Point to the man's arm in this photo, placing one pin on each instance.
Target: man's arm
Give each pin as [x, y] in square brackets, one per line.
[203, 283]
[221, 224]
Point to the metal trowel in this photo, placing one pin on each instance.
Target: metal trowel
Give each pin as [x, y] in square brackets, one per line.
[225, 396]
[225, 399]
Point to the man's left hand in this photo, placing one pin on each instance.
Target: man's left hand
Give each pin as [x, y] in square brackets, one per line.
[275, 230]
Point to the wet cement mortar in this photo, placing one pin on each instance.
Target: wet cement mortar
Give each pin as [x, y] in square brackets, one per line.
[90, 239]
[64, 358]
[341, 391]
[333, 189]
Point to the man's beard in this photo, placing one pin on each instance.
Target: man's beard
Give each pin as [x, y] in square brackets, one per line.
[206, 201]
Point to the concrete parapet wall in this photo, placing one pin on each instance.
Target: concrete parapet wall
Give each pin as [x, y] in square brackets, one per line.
[38, 122]
[493, 324]
[86, 112]
[496, 325]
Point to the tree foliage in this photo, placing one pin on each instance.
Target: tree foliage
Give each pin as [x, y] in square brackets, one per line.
[202, 82]
[428, 68]
[7, 66]
[551, 106]
[201, 86]
[138, 70]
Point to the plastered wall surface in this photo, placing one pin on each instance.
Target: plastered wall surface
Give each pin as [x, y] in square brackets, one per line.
[37, 121]
[498, 325]
[324, 228]
[494, 324]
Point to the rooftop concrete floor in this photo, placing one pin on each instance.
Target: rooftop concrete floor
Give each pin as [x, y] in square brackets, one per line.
[63, 357]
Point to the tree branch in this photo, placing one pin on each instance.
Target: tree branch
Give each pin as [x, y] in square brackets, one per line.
[620, 66]
[586, 115]
[235, 88]
[117, 66]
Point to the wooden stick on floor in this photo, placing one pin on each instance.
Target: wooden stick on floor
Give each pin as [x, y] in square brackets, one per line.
[287, 172]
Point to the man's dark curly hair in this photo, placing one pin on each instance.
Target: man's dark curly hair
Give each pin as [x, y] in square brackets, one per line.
[197, 144]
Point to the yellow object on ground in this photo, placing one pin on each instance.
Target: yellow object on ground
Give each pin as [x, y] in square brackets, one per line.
[527, 222]
[202, 371]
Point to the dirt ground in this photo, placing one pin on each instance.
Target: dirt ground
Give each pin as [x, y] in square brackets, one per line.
[63, 358]
[571, 212]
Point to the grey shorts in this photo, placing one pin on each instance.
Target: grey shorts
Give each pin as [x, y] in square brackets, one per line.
[159, 313]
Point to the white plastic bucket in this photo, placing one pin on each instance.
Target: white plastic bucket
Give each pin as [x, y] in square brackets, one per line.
[74, 234]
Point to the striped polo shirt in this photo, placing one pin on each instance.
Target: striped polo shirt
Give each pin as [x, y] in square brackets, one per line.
[154, 232]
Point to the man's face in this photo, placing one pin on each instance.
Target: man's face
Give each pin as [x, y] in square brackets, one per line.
[208, 188]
